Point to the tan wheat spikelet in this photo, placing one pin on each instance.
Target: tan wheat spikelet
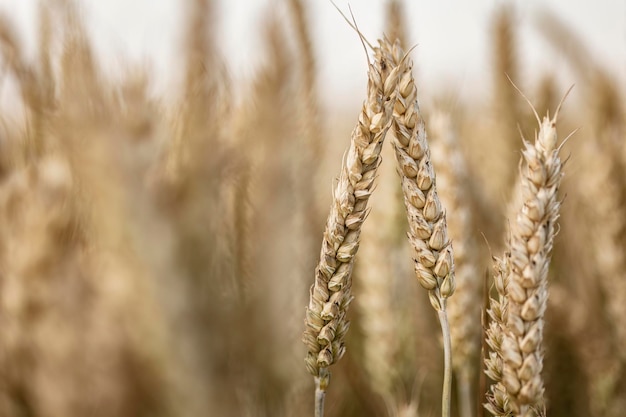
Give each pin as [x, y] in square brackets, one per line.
[532, 237]
[326, 321]
[428, 230]
[497, 397]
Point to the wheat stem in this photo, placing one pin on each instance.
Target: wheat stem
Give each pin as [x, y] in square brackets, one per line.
[319, 402]
[428, 230]
[447, 360]
[321, 383]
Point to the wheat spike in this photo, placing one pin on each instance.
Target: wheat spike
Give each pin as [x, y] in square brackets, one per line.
[428, 234]
[428, 230]
[330, 295]
[530, 247]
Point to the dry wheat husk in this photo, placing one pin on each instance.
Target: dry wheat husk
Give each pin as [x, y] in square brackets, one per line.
[428, 231]
[330, 295]
[529, 253]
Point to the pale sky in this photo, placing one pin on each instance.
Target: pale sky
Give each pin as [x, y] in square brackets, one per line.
[452, 37]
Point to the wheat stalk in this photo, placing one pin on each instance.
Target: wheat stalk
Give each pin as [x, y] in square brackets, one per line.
[530, 247]
[330, 295]
[428, 234]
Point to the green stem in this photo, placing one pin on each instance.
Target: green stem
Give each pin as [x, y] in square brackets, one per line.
[447, 360]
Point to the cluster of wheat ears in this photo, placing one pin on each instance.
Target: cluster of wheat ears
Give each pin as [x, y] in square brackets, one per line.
[157, 252]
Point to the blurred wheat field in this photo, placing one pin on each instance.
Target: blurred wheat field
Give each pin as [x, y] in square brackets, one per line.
[156, 252]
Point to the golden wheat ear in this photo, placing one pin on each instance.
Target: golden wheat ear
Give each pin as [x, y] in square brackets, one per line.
[428, 230]
[530, 249]
[326, 320]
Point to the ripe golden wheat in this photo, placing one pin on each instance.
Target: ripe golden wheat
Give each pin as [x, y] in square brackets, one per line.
[156, 252]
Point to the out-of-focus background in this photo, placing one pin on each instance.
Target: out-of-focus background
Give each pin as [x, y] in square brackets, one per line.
[165, 176]
[452, 37]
